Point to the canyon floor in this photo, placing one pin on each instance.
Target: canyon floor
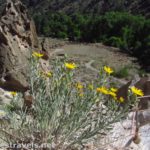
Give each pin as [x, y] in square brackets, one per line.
[92, 56]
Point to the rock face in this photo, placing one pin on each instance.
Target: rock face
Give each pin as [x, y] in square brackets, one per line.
[120, 137]
[17, 40]
[140, 83]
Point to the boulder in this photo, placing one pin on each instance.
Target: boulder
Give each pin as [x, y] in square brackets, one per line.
[140, 83]
[18, 39]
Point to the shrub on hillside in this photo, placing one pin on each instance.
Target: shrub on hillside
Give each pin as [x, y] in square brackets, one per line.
[128, 32]
[65, 112]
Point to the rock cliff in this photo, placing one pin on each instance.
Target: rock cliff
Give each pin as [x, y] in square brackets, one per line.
[17, 40]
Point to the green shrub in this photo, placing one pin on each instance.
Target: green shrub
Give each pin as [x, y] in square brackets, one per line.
[128, 32]
[65, 112]
[114, 41]
[122, 72]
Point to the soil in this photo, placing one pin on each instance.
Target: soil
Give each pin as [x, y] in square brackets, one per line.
[90, 57]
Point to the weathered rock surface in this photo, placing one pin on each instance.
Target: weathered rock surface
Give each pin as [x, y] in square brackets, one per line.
[140, 83]
[120, 137]
[17, 39]
[5, 97]
[48, 44]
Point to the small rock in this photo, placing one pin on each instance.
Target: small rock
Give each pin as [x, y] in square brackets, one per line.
[146, 146]
[2, 114]
[3, 117]
[127, 124]
[120, 136]
[5, 97]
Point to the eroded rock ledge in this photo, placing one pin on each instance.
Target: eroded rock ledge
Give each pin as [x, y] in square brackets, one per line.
[17, 40]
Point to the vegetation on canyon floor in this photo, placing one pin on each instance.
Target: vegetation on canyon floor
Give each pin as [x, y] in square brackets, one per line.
[119, 29]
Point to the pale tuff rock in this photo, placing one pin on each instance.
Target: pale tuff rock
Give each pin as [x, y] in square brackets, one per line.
[2, 114]
[17, 40]
[140, 83]
[120, 137]
[5, 97]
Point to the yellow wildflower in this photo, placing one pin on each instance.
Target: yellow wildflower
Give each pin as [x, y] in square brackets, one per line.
[90, 86]
[79, 86]
[137, 91]
[46, 74]
[108, 70]
[121, 99]
[114, 90]
[102, 90]
[81, 94]
[13, 93]
[115, 98]
[37, 55]
[113, 94]
[70, 66]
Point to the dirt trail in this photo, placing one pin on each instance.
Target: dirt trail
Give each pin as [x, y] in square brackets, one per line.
[57, 50]
[99, 53]
[91, 54]
[89, 66]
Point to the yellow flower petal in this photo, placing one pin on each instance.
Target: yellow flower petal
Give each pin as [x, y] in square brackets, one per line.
[102, 90]
[37, 55]
[90, 86]
[70, 66]
[113, 94]
[137, 91]
[108, 70]
[79, 86]
[115, 98]
[46, 74]
[121, 99]
[13, 93]
[113, 89]
[81, 94]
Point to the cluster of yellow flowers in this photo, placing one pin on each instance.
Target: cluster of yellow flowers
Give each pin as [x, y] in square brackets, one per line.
[112, 92]
[104, 90]
[70, 66]
[80, 87]
[136, 91]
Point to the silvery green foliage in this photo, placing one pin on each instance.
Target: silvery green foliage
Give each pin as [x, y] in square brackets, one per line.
[61, 115]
